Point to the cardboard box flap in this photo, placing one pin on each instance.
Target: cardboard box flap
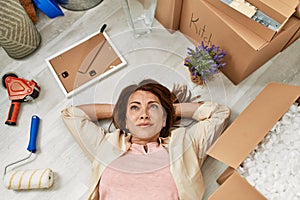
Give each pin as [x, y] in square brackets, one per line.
[279, 10]
[254, 40]
[260, 23]
[251, 126]
[297, 12]
[290, 3]
[284, 7]
[236, 188]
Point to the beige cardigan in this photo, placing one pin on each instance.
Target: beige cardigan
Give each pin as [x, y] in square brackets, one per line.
[186, 147]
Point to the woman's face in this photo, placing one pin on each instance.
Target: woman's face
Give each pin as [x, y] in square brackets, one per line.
[145, 116]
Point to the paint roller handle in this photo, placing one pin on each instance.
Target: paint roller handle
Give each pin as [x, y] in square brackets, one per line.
[35, 121]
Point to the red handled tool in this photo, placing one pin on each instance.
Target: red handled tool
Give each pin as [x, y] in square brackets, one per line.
[19, 90]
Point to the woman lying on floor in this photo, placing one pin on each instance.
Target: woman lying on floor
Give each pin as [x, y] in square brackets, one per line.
[146, 157]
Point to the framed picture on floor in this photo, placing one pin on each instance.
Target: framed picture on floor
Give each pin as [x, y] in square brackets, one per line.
[85, 62]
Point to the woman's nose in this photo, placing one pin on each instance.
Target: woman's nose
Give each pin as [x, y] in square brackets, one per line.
[144, 115]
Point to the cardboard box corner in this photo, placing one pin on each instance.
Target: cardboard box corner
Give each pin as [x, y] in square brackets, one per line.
[168, 13]
[228, 190]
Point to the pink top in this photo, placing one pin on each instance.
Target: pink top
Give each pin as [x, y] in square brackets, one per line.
[139, 174]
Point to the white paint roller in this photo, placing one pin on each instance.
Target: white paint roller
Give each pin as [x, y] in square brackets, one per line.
[29, 179]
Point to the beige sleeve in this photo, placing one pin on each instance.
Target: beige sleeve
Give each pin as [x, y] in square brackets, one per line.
[86, 133]
[212, 120]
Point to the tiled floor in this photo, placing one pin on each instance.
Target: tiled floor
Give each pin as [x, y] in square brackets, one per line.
[157, 56]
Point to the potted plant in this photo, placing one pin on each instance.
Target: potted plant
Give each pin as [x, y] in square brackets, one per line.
[204, 62]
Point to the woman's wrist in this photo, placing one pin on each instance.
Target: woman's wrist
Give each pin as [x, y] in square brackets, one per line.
[186, 109]
[98, 111]
[177, 109]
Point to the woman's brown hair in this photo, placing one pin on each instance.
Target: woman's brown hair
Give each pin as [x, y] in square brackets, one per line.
[165, 96]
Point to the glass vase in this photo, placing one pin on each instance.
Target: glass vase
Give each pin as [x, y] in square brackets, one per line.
[140, 15]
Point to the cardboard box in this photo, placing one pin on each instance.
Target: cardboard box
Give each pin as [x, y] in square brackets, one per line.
[245, 133]
[297, 13]
[278, 10]
[168, 13]
[293, 39]
[246, 51]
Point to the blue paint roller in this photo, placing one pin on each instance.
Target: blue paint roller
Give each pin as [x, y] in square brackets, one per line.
[29, 179]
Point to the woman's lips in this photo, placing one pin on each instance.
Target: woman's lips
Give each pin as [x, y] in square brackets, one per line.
[144, 124]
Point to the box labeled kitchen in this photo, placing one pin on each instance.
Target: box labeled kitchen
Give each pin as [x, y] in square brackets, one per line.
[244, 135]
[246, 50]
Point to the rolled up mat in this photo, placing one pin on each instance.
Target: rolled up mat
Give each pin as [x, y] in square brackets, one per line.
[29, 179]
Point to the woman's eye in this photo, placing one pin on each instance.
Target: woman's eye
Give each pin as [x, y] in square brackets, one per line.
[133, 108]
[154, 106]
